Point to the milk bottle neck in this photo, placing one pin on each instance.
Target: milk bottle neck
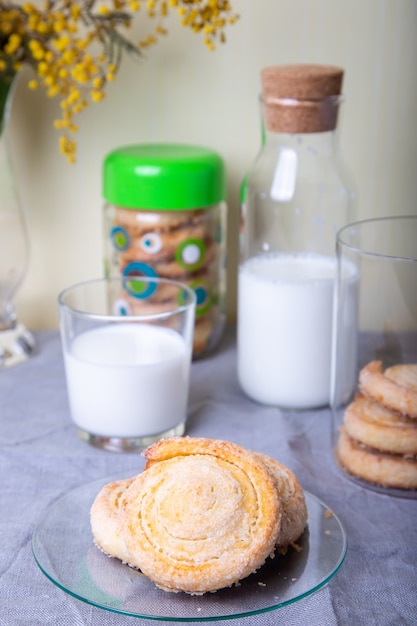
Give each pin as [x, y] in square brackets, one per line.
[292, 122]
[322, 145]
[296, 194]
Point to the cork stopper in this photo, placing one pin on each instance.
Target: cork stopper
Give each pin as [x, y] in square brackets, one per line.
[301, 98]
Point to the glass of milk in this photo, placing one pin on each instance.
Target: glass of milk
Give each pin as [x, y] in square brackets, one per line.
[375, 331]
[127, 346]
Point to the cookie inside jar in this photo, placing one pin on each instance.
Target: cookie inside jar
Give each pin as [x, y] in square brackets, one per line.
[377, 440]
[374, 355]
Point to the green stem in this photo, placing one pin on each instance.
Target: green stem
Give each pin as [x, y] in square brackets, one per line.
[5, 86]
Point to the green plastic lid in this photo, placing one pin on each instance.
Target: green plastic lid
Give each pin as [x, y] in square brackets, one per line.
[163, 177]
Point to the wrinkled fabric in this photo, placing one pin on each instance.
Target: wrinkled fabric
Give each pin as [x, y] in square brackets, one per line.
[41, 459]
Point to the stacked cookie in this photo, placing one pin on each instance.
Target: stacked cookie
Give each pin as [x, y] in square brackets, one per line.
[378, 439]
[180, 245]
[203, 514]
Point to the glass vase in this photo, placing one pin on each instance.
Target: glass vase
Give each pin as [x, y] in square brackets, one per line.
[16, 342]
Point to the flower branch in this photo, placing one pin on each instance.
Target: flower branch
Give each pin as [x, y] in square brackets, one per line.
[76, 48]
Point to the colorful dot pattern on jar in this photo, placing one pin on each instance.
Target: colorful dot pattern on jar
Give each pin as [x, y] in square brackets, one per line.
[184, 246]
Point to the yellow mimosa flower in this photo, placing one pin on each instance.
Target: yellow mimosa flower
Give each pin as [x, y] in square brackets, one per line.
[76, 46]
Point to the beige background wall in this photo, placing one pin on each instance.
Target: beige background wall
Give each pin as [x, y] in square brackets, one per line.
[182, 92]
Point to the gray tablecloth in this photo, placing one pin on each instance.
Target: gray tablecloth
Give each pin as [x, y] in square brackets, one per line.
[41, 459]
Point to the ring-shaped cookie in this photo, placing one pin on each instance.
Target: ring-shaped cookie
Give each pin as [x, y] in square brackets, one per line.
[380, 468]
[396, 388]
[379, 427]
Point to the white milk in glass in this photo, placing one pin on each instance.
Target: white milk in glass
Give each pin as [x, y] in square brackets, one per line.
[128, 380]
[285, 329]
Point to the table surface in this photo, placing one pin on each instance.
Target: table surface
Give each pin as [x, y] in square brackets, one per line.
[41, 459]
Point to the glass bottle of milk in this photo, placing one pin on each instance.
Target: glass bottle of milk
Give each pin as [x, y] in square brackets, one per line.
[295, 198]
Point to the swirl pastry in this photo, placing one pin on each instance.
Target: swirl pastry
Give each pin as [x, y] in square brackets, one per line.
[106, 523]
[294, 509]
[203, 515]
[396, 388]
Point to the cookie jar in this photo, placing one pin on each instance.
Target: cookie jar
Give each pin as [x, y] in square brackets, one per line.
[295, 197]
[165, 215]
[374, 371]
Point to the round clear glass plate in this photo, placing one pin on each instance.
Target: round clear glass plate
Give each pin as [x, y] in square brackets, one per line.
[64, 550]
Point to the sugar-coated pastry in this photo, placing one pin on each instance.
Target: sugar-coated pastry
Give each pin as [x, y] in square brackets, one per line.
[379, 427]
[202, 516]
[105, 520]
[387, 470]
[294, 508]
[396, 388]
